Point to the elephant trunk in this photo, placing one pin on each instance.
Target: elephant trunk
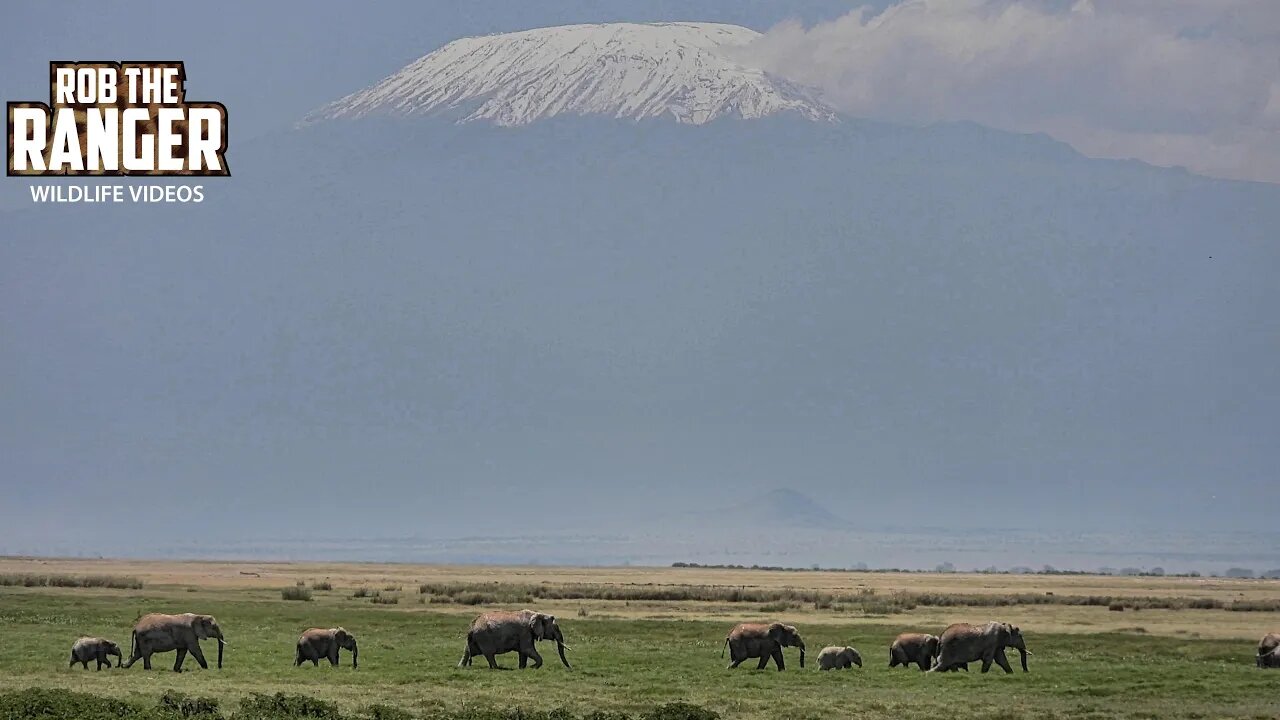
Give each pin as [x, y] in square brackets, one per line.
[355, 655]
[1023, 652]
[802, 655]
[560, 648]
[221, 644]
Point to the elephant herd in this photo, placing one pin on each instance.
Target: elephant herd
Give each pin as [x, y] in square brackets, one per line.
[959, 645]
[497, 633]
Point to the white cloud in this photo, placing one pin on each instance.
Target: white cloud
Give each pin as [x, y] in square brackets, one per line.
[1172, 82]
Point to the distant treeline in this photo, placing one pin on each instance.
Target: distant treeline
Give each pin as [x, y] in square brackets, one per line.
[1234, 572]
[75, 581]
[866, 600]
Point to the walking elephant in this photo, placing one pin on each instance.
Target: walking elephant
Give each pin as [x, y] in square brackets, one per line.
[964, 643]
[1269, 651]
[161, 633]
[96, 649]
[918, 648]
[761, 640]
[319, 643]
[497, 633]
[842, 658]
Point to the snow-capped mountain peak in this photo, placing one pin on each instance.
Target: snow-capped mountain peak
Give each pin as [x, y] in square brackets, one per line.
[680, 70]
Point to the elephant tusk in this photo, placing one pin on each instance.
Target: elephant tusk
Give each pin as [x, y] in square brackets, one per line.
[566, 647]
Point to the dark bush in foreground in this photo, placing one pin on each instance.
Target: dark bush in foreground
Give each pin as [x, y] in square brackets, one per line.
[184, 706]
[280, 705]
[59, 704]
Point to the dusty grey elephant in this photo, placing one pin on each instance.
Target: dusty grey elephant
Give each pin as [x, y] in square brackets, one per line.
[96, 649]
[842, 658]
[496, 633]
[1269, 651]
[318, 643]
[918, 648]
[161, 633]
[964, 643]
[761, 640]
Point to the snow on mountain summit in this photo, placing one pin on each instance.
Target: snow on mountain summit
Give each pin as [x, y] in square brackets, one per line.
[626, 70]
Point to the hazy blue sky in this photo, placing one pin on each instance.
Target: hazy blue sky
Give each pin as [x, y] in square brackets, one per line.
[595, 324]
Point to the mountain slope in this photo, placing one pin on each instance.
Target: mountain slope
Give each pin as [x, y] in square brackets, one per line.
[788, 508]
[623, 70]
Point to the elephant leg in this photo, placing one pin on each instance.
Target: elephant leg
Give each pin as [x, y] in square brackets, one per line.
[333, 658]
[85, 663]
[493, 662]
[922, 663]
[182, 655]
[1003, 661]
[537, 659]
[198, 655]
[735, 662]
[764, 661]
[524, 660]
[146, 660]
[99, 668]
[986, 661]
[315, 662]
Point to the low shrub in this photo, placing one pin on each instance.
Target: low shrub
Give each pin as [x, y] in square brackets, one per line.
[322, 585]
[297, 592]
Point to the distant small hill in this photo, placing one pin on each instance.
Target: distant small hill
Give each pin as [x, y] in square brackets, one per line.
[777, 508]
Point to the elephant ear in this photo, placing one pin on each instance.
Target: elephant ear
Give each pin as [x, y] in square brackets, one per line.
[537, 625]
[776, 630]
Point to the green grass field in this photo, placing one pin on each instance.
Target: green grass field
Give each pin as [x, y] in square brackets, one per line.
[629, 657]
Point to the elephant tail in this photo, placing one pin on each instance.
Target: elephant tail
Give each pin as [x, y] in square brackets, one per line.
[133, 650]
[726, 644]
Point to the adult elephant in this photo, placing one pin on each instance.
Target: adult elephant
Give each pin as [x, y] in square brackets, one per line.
[1269, 651]
[761, 640]
[318, 643]
[918, 648]
[161, 633]
[964, 643]
[497, 633]
[96, 649]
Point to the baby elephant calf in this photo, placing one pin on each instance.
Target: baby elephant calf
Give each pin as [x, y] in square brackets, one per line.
[838, 657]
[96, 649]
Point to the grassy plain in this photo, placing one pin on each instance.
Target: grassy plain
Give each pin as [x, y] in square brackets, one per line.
[644, 636]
